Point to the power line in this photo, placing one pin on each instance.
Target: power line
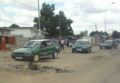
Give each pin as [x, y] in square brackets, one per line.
[25, 4]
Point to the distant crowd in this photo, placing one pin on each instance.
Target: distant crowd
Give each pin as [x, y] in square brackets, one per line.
[63, 42]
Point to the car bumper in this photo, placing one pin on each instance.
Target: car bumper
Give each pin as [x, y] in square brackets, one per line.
[80, 50]
[105, 46]
[30, 57]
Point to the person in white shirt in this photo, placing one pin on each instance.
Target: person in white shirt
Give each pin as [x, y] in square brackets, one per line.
[62, 44]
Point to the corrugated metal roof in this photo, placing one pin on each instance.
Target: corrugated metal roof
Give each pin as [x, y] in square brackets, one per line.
[5, 29]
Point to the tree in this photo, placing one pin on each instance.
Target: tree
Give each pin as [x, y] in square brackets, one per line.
[83, 33]
[115, 34]
[50, 21]
[93, 33]
[14, 25]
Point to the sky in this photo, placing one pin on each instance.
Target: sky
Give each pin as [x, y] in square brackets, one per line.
[84, 13]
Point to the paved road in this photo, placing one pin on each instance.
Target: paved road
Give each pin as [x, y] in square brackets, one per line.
[105, 69]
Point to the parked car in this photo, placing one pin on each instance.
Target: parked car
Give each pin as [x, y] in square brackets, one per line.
[82, 45]
[108, 44]
[35, 49]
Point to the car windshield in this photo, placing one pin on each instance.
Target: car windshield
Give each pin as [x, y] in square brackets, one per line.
[82, 42]
[32, 44]
[107, 41]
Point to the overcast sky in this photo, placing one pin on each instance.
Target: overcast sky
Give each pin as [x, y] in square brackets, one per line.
[84, 13]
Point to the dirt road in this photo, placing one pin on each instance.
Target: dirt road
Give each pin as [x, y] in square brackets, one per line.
[100, 66]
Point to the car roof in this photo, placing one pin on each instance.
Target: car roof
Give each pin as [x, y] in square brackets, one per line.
[108, 40]
[82, 40]
[41, 40]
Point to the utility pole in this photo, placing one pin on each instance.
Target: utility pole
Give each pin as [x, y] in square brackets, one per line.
[39, 20]
[96, 27]
[38, 14]
[96, 34]
[60, 25]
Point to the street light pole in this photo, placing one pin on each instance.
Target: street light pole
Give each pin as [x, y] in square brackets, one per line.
[39, 20]
[105, 13]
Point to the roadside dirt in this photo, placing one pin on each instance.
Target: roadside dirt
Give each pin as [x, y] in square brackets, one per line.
[86, 68]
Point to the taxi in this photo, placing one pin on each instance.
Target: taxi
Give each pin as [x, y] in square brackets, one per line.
[36, 49]
[82, 45]
[109, 44]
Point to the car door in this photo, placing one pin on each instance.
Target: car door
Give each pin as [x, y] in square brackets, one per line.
[43, 52]
[114, 44]
[89, 45]
[51, 47]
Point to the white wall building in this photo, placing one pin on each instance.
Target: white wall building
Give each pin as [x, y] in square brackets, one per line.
[27, 32]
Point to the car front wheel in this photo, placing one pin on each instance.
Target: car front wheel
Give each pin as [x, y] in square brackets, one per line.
[89, 50]
[54, 56]
[72, 51]
[110, 47]
[36, 58]
[100, 47]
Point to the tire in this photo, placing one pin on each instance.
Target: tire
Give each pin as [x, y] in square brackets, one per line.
[36, 58]
[110, 47]
[106, 47]
[72, 51]
[89, 50]
[54, 56]
[100, 47]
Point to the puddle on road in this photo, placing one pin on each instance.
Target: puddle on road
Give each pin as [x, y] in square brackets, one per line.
[30, 70]
[97, 57]
[115, 54]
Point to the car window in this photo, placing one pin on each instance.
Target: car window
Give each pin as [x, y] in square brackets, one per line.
[49, 43]
[43, 44]
[82, 42]
[32, 44]
[108, 42]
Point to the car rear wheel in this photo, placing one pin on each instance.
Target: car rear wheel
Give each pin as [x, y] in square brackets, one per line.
[36, 58]
[54, 56]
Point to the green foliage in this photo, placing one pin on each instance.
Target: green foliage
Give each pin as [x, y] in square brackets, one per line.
[14, 25]
[93, 33]
[83, 33]
[49, 21]
[115, 34]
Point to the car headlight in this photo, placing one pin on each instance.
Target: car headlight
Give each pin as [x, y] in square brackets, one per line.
[73, 47]
[13, 53]
[57, 47]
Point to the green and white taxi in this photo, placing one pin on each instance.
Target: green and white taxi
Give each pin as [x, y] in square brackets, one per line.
[108, 44]
[82, 45]
[36, 49]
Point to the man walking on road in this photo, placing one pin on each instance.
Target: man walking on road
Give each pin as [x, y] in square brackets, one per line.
[62, 44]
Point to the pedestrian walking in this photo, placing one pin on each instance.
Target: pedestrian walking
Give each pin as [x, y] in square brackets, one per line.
[62, 44]
[67, 43]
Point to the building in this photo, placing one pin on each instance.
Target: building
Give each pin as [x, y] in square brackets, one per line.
[26, 32]
[5, 31]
